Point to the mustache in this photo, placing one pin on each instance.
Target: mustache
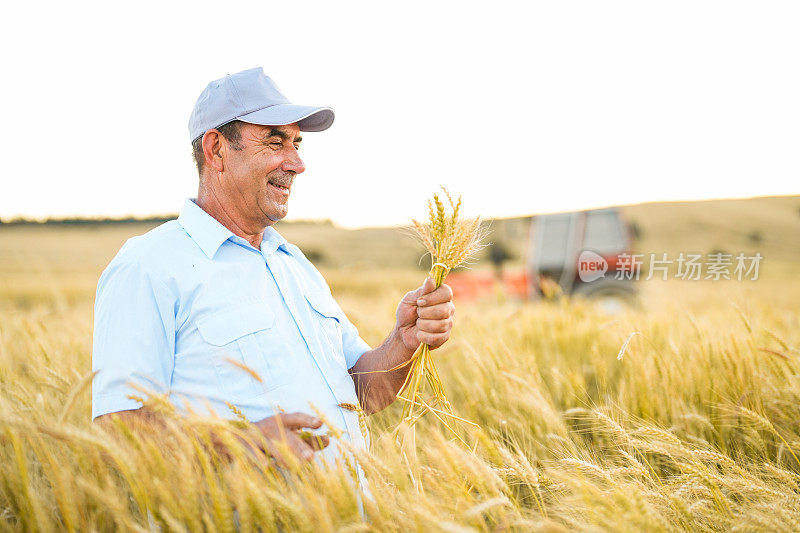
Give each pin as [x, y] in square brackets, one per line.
[283, 179]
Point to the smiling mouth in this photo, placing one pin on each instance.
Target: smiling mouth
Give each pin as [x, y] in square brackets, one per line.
[283, 187]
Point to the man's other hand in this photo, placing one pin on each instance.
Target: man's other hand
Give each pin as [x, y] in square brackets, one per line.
[426, 315]
[288, 429]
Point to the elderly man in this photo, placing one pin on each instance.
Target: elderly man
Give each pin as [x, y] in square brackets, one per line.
[183, 308]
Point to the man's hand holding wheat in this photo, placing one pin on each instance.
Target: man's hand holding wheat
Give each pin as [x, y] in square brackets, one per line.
[425, 315]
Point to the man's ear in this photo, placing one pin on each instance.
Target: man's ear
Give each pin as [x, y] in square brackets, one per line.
[212, 150]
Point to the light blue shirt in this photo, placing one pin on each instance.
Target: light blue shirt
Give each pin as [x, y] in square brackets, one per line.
[178, 302]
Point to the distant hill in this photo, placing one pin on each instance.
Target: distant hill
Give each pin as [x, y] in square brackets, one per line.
[770, 225]
[96, 221]
[84, 221]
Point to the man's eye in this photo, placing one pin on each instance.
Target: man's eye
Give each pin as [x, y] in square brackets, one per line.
[296, 146]
[276, 143]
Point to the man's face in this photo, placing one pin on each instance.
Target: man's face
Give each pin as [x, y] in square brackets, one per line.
[258, 178]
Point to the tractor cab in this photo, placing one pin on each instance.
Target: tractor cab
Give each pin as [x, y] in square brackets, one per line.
[580, 252]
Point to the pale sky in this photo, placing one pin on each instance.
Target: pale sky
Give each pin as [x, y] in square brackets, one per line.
[523, 108]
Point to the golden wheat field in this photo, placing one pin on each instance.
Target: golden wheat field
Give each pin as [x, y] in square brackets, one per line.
[694, 426]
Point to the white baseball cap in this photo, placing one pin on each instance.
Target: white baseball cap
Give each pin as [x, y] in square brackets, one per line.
[252, 97]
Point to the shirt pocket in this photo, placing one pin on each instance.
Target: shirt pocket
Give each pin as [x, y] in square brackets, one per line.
[326, 317]
[238, 337]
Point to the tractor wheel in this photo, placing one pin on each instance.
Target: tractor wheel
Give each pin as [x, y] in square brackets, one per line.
[613, 295]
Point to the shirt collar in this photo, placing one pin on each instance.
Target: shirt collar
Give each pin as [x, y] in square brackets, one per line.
[209, 234]
[272, 240]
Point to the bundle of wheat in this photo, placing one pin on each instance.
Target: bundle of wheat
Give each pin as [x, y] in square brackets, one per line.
[451, 242]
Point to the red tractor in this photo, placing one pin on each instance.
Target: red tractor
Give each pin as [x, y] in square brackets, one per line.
[585, 253]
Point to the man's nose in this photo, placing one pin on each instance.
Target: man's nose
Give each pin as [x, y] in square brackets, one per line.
[293, 163]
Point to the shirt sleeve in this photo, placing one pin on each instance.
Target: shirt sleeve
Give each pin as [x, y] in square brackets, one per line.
[134, 337]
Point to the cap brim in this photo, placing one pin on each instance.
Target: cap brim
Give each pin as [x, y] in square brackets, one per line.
[307, 117]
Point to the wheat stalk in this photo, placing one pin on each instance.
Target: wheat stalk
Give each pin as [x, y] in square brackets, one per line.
[451, 242]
